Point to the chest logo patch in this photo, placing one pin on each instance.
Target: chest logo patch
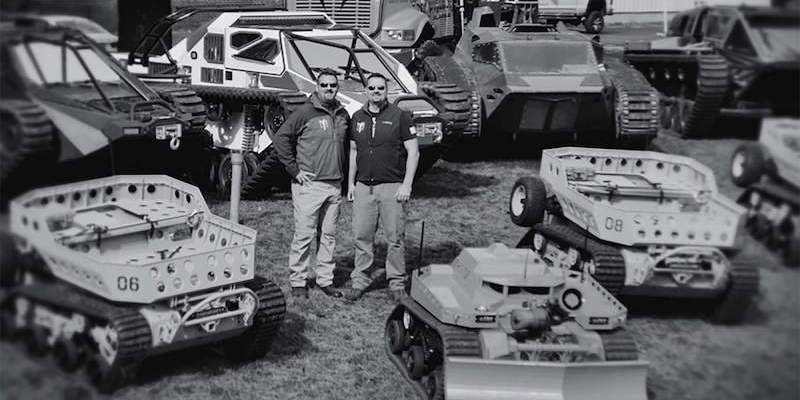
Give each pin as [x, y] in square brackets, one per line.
[323, 124]
[360, 125]
[386, 122]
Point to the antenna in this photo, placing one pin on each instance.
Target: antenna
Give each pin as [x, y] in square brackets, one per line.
[421, 240]
[525, 272]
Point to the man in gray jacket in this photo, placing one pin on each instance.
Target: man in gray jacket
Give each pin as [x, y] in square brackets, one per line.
[311, 145]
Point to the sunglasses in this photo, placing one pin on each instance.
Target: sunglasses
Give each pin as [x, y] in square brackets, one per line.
[324, 85]
[376, 87]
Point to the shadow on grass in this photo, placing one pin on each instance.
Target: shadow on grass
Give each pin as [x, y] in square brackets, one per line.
[442, 253]
[442, 182]
[289, 341]
[670, 308]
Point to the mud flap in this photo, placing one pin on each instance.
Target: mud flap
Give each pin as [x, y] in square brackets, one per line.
[477, 379]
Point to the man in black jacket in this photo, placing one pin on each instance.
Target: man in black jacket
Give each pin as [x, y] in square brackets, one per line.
[383, 159]
[311, 145]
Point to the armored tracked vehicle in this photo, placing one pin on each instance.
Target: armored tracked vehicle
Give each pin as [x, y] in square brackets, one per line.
[773, 205]
[253, 68]
[642, 223]
[565, 89]
[501, 323]
[739, 62]
[113, 270]
[67, 109]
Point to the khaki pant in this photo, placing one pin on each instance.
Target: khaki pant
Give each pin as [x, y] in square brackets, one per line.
[316, 208]
[373, 205]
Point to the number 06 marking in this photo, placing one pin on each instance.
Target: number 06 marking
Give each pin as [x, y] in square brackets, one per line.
[614, 224]
[128, 283]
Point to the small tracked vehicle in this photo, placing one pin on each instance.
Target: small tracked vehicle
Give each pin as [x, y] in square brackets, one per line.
[642, 223]
[773, 205]
[108, 272]
[501, 323]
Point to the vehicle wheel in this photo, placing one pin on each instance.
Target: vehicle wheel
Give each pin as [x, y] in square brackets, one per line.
[395, 334]
[106, 378]
[67, 354]
[760, 227]
[415, 362]
[434, 385]
[594, 22]
[527, 201]
[224, 172]
[747, 164]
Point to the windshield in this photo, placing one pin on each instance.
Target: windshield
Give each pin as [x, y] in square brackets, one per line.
[320, 56]
[49, 64]
[548, 57]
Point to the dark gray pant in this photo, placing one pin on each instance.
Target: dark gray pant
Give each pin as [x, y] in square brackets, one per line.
[371, 208]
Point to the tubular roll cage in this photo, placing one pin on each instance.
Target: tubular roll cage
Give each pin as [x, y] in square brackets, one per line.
[155, 35]
[85, 43]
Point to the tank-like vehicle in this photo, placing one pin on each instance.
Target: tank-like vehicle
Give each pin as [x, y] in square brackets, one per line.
[642, 223]
[740, 62]
[67, 109]
[501, 323]
[566, 89]
[773, 205]
[253, 68]
[110, 271]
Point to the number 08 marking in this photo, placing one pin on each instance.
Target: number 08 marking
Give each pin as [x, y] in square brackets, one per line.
[614, 224]
[128, 283]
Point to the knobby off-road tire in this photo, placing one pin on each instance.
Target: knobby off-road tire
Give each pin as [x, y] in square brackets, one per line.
[747, 164]
[713, 79]
[527, 201]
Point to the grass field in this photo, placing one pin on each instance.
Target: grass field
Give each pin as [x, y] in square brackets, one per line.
[329, 349]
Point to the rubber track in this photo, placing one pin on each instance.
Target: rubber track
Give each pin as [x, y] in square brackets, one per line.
[269, 168]
[448, 72]
[619, 345]
[134, 338]
[743, 287]
[455, 341]
[608, 260]
[186, 101]
[37, 135]
[269, 315]
[713, 81]
[630, 82]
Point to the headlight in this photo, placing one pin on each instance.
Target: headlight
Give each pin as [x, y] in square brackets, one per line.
[399, 34]
[252, 80]
[429, 129]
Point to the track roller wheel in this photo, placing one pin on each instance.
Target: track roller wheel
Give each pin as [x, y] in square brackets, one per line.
[415, 362]
[527, 201]
[395, 335]
[434, 384]
[106, 378]
[67, 354]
